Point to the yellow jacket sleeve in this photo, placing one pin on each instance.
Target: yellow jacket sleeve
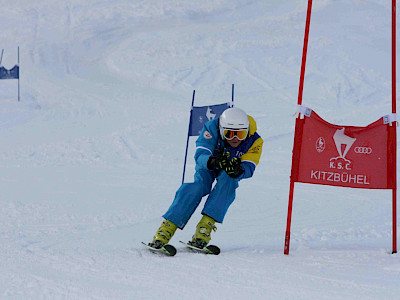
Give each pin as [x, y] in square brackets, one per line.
[254, 153]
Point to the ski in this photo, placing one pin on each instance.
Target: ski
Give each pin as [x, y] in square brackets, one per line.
[210, 249]
[166, 249]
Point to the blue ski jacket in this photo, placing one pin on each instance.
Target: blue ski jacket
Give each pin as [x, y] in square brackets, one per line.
[210, 143]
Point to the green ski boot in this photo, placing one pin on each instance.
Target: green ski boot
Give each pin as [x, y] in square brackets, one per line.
[203, 232]
[163, 234]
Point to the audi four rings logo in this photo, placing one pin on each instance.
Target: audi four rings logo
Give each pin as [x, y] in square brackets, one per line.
[363, 150]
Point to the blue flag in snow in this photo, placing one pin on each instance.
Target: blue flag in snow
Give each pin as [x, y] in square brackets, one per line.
[9, 74]
[203, 114]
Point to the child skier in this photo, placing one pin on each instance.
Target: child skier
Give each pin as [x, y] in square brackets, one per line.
[228, 150]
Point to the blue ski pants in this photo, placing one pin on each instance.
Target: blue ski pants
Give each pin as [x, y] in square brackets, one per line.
[189, 195]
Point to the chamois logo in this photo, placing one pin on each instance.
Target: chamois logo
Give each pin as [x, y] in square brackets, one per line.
[343, 145]
[210, 116]
[341, 139]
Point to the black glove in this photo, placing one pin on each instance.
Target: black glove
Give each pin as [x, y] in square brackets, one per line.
[233, 168]
[218, 162]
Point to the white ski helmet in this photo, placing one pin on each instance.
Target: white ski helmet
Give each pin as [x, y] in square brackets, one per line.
[233, 119]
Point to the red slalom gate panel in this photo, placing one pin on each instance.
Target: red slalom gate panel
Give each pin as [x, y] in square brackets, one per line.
[348, 156]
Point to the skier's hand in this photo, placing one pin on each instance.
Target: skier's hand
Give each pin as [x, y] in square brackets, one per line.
[218, 162]
[233, 168]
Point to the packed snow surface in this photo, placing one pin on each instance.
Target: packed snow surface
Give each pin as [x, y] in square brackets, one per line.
[93, 153]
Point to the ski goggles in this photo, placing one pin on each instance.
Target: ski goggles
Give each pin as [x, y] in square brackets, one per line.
[229, 134]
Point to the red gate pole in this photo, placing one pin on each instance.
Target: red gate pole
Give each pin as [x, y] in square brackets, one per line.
[289, 218]
[305, 46]
[299, 102]
[394, 191]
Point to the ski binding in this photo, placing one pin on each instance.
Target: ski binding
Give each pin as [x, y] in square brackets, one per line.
[166, 249]
[210, 249]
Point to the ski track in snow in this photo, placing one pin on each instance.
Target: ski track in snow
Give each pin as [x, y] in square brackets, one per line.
[92, 155]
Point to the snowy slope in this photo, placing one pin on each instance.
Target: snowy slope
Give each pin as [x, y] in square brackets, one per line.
[92, 155]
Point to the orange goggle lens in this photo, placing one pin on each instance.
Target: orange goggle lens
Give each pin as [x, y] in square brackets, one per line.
[230, 134]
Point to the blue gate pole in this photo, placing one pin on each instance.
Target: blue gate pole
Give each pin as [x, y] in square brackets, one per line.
[18, 73]
[233, 93]
[187, 141]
